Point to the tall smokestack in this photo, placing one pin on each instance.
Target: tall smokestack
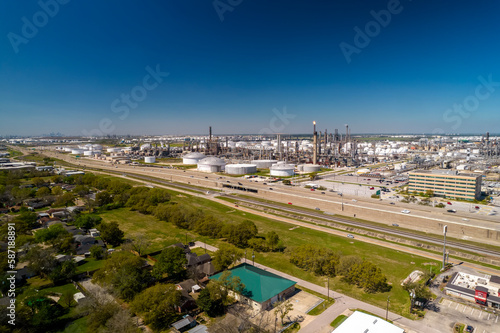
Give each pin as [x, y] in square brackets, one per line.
[210, 133]
[315, 143]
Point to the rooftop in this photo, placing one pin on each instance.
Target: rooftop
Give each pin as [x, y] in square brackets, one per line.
[260, 285]
[360, 322]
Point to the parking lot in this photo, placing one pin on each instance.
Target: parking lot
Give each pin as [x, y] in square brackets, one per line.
[482, 321]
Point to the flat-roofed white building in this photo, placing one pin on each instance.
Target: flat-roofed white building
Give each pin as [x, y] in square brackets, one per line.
[360, 322]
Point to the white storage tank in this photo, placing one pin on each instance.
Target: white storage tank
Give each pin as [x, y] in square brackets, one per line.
[192, 158]
[149, 159]
[282, 170]
[88, 153]
[264, 164]
[113, 150]
[211, 164]
[311, 167]
[77, 151]
[68, 149]
[240, 169]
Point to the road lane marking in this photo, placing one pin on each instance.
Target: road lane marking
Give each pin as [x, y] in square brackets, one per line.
[464, 308]
[488, 316]
[496, 319]
[472, 312]
[480, 314]
[449, 303]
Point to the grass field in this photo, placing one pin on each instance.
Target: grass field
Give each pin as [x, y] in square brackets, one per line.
[89, 265]
[395, 265]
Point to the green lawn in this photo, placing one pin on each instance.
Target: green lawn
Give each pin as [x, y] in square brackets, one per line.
[339, 320]
[395, 265]
[159, 233]
[89, 265]
[77, 326]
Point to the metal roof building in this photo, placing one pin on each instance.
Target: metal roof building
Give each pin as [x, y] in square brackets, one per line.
[262, 288]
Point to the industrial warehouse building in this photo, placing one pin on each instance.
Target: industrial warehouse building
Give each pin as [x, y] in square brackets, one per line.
[262, 288]
[448, 184]
[360, 322]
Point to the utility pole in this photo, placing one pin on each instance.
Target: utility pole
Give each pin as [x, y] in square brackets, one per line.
[445, 229]
[387, 310]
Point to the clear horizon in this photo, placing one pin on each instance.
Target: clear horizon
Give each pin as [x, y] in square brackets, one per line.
[118, 68]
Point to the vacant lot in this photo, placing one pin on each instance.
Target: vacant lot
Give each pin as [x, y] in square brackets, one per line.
[395, 265]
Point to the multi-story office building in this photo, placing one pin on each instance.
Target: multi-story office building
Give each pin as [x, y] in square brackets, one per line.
[446, 183]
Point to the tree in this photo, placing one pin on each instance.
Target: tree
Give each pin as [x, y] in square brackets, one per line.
[38, 182]
[240, 233]
[63, 272]
[41, 261]
[429, 193]
[67, 298]
[225, 256]
[43, 192]
[282, 308]
[171, 261]
[103, 198]
[219, 288]
[57, 190]
[67, 199]
[272, 239]
[104, 315]
[96, 252]
[111, 234]
[210, 305]
[123, 273]
[50, 233]
[87, 221]
[157, 305]
[140, 244]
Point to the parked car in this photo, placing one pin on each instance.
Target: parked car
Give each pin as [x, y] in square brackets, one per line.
[395, 225]
[469, 329]
[451, 210]
[317, 208]
[449, 203]
[271, 188]
[323, 193]
[392, 203]
[477, 207]
[350, 236]
[405, 211]
[289, 203]
[312, 189]
[372, 188]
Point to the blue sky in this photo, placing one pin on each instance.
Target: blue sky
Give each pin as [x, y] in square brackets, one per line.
[70, 74]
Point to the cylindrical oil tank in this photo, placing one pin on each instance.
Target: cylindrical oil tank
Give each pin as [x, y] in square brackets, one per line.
[192, 158]
[211, 164]
[77, 151]
[282, 170]
[264, 164]
[149, 159]
[241, 169]
[311, 168]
